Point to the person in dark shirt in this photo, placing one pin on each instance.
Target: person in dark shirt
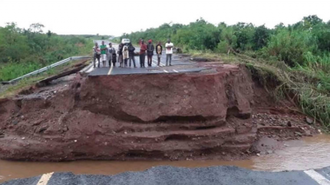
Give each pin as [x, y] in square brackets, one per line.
[150, 52]
[111, 55]
[120, 54]
[131, 50]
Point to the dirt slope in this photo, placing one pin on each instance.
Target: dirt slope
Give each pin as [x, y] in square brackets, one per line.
[215, 114]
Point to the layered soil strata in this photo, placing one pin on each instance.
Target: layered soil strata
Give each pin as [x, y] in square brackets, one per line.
[140, 117]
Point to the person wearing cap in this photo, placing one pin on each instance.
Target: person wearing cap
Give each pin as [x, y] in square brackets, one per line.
[150, 52]
[159, 50]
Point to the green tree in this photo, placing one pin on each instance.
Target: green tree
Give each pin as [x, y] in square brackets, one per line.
[260, 37]
[49, 33]
[291, 46]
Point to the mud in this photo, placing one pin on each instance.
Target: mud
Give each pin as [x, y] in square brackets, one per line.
[313, 153]
[220, 114]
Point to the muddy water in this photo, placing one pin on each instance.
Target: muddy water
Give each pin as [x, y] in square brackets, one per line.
[298, 155]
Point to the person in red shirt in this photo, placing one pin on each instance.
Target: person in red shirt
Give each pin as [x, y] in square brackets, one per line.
[143, 48]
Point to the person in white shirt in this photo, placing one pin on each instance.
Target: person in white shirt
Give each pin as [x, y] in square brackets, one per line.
[125, 55]
[97, 54]
[169, 52]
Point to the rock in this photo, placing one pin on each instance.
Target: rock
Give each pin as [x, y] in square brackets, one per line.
[65, 128]
[298, 133]
[309, 121]
[75, 141]
[289, 124]
[269, 152]
[43, 129]
[23, 138]
[15, 122]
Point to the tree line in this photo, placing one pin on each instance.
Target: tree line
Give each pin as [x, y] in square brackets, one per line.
[25, 50]
[297, 45]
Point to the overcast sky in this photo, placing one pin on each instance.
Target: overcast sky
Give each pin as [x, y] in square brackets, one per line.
[114, 17]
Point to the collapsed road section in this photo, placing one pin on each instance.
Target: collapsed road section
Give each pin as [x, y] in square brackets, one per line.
[218, 113]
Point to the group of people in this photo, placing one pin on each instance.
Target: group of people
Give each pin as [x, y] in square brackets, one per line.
[126, 54]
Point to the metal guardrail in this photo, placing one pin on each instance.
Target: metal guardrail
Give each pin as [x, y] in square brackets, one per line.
[41, 70]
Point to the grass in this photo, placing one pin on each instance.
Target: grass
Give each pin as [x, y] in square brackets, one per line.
[15, 69]
[30, 81]
[308, 87]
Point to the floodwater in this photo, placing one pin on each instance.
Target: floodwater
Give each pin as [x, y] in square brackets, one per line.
[304, 154]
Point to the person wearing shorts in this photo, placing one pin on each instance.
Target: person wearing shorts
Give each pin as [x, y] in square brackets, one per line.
[103, 53]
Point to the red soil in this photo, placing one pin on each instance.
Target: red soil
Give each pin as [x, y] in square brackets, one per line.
[216, 114]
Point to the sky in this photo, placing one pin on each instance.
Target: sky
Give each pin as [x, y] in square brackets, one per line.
[115, 17]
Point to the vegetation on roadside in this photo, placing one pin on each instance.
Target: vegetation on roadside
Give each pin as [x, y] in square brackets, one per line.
[296, 57]
[26, 50]
[13, 89]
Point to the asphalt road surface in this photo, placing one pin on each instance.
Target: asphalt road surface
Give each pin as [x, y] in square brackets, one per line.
[176, 62]
[167, 175]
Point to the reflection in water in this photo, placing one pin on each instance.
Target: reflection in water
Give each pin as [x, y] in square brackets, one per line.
[299, 155]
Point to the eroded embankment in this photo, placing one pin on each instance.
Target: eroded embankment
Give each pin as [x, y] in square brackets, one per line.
[159, 116]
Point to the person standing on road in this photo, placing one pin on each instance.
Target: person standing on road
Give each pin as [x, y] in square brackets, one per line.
[111, 50]
[120, 54]
[131, 50]
[114, 57]
[103, 53]
[169, 52]
[150, 52]
[97, 54]
[125, 54]
[143, 49]
[159, 50]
